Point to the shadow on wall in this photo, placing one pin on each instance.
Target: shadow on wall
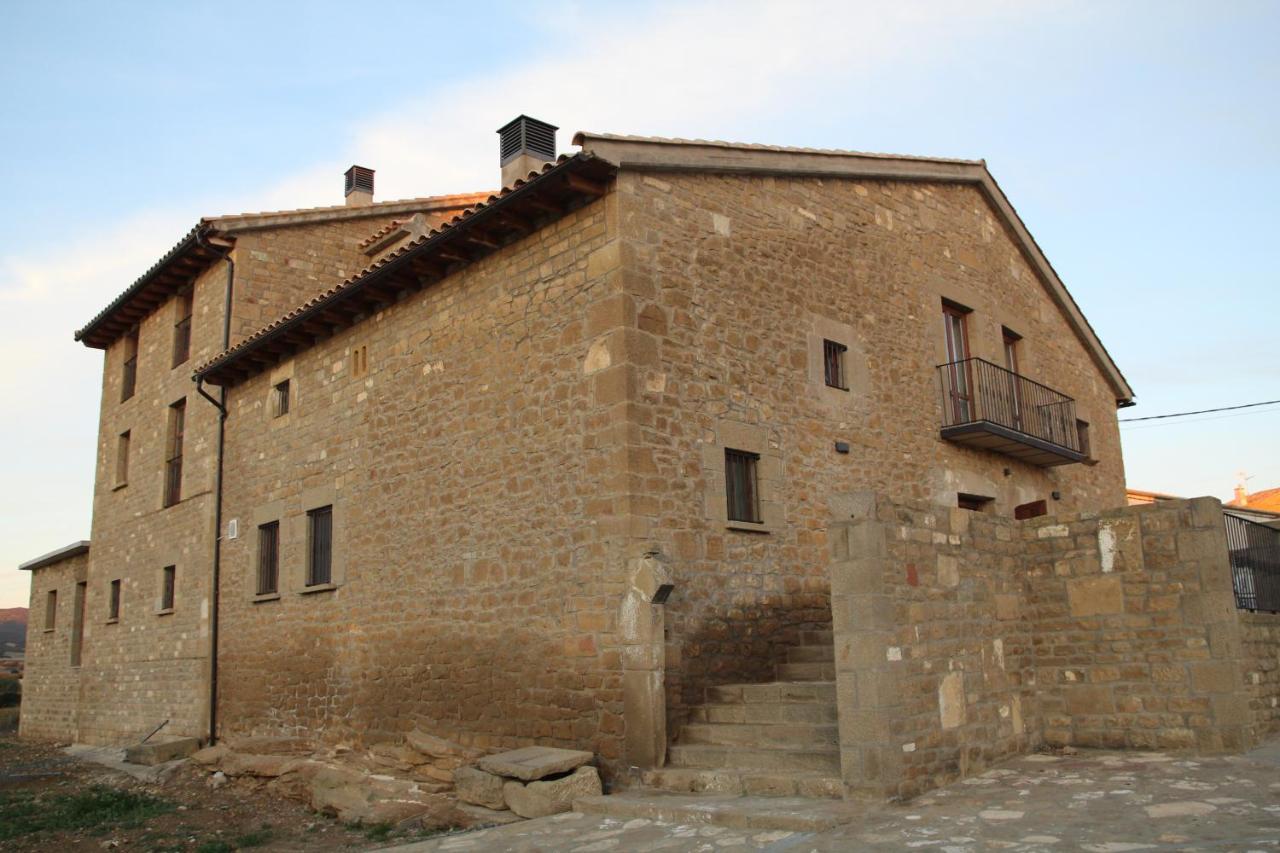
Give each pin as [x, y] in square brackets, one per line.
[742, 646]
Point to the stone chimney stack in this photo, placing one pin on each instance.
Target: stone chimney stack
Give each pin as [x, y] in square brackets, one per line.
[1242, 497]
[359, 186]
[525, 145]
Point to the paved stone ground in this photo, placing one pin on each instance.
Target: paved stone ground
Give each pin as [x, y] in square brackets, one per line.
[1104, 802]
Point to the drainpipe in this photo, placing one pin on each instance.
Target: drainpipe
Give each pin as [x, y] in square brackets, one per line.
[221, 404]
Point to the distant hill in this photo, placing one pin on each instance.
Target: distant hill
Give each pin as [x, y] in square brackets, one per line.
[13, 626]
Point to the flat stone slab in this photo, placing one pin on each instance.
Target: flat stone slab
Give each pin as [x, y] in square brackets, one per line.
[534, 762]
[786, 814]
[153, 752]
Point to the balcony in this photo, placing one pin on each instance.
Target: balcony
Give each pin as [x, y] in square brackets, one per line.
[986, 406]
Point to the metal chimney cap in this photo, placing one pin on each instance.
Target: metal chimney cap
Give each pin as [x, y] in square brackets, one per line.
[359, 179]
[525, 135]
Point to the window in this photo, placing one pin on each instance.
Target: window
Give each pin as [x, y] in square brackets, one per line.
[113, 611]
[741, 488]
[168, 580]
[182, 330]
[51, 610]
[1011, 339]
[1010, 396]
[1082, 431]
[320, 546]
[1035, 509]
[122, 458]
[129, 374]
[359, 361]
[974, 503]
[77, 628]
[173, 454]
[833, 364]
[280, 399]
[958, 377]
[269, 558]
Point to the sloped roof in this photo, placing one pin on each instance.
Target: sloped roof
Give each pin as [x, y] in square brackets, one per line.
[210, 239]
[502, 218]
[1267, 499]
[700, 155]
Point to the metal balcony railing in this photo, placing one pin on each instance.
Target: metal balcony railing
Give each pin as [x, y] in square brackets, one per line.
[1254, 550]
[989, 406]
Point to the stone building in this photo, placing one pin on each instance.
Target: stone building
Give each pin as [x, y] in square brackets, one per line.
[635, 455]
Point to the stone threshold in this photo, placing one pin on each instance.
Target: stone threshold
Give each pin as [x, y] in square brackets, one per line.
[789, 814]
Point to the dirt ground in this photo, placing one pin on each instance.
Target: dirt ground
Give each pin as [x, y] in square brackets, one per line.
[51, 801]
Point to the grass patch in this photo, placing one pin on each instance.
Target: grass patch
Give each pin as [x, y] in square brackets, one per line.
[379, 831]
[99, 807]
[257, 838]
[215, 847]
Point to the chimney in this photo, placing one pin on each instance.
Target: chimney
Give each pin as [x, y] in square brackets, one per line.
[524, 145]
[1242, 497]
[359, 186]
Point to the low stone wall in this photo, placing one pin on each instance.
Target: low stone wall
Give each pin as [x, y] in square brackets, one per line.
[1260, 635]
[963, 638]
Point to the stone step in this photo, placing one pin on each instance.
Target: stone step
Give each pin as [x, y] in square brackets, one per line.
[709, 757]
[765, 712]
[817, 638]
[785, 814]
[798, 735]
[773, 692]
[811, 654]
[807, 671]
[689, 780]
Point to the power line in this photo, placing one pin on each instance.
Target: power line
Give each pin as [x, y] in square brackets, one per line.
[1201, 412]
[1159, 424]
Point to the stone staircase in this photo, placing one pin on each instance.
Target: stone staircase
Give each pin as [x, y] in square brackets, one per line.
[777, 739]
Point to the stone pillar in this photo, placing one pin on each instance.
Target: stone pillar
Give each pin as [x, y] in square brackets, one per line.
[641, 624]
[866, 684]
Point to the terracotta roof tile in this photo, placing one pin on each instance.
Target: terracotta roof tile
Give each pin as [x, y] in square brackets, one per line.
[752, 146]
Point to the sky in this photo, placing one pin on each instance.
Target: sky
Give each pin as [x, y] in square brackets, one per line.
[1139, 141]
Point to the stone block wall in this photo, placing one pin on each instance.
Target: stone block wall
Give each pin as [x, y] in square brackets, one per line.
[477, 536]
[934, 659]
[736, 280]
[963, 637]
[1260, 636]
[51, 681]
[1137, 636]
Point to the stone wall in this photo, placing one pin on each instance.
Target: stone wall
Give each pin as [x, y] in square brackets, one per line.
[1260, 635]
[1137, 636]
[963, 637]
[478, 571]
[935, 666]
[51, 683]
[735, 281]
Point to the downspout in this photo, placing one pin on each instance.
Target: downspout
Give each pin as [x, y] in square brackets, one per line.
[221, 404]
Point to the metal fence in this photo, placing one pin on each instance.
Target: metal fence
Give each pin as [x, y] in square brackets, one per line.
[1254, 550]
[977, 390]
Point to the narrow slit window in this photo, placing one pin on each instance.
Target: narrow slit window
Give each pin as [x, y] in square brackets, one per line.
[129, 370]
[973, 503]
[360, 360]
[169, 580]
[122, 458]
[113, 607]
[182, 330]
[51, 610]
[173, 454]
[741, 485]
[1082, 433]
[833, 364]
[320, 546]
[77, 626]
[269, 558]
[280, 399]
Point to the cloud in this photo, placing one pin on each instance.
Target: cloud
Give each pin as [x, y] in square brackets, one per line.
[705, 69]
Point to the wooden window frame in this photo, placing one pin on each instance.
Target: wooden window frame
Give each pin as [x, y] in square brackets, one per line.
[1031, 509]
[281, 398]
[173, 453]
[320, 547]
[833, 364]
[974, 503]
[268, 581]
[742, 486]
[182, 328]
[955, 328]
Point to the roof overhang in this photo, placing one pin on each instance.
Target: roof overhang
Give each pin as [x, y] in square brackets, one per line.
[487, 227]
[75, 549]
[212, 238]
[657, 154]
